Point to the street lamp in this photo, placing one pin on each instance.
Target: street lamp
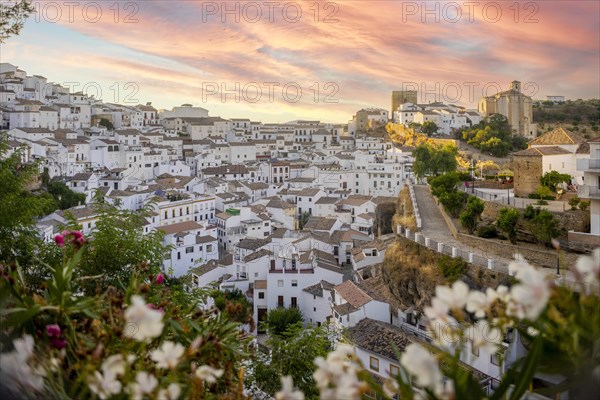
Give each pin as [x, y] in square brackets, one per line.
[472, 177]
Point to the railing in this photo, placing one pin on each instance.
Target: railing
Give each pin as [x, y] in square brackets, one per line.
[413, 200]
[291, 271]
[587, 164]
[471, 255]
[589, 192]
[509, 199]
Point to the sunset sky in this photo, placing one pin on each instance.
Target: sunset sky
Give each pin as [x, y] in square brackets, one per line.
[356, 51]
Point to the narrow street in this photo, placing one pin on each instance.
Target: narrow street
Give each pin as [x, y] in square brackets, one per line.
[434, 227]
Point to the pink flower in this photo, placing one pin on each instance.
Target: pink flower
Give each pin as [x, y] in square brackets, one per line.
[78, 238]
[53, 330]
[160, 278]
[59, 240]
[59, 343]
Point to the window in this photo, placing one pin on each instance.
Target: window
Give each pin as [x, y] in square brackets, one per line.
[294, 302]
[374, 363]
[496, 358]
[179, 255]
[261, 295]
[394, 370]
[475, 350]
[209, 248]
[279, 301]
[189, 250]
[280, 283]
[294, 283]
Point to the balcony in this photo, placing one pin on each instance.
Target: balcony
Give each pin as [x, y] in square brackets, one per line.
[291, 271]
[588, 192]
[588, 164]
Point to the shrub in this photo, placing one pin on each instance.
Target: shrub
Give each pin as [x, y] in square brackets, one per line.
[454, 202]
[530, 212]
[280, 319]
[442, 184]
[544, 193]
[452, 268]
[234, 304]
[545, 227]
[487, 231]
[553, 178]
[574, 202]
[507, 223]
[470, 216]
[584, 205]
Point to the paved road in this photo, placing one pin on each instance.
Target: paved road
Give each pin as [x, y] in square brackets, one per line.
[433, 224]
[434, 227]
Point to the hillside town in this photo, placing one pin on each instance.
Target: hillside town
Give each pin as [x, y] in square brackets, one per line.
[297, 214]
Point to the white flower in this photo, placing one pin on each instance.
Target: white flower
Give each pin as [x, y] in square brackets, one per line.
[532, 331]
[445, 390]
[104, 385]
[145, 383]
[455, 297]
[145, 322]
[589, 269]
[114, 365]
[501, 293]
[336, 377]
[15, 371]
[287, 390]
[529, 298]
[168, 355]
[349, 387]
[341, 353]
[477, 303]
[209, 374]
[422, 365]
[484, 336]
[172, 392]
[437, 312]
[24, 348]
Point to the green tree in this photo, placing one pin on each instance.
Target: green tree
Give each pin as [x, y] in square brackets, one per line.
[469, 218]
[291, 353]
[434, 160]
[454, 202]
[429, 128]
[543, 193]
[545, 227]
[507, 222]
[444, 183]
[106, 123]
[12, 17]
[493, 136]
[119, 244]
[64, 197]
[233, 304]
[303, 219]
[279, 319]
[553, 178]
[19, 208]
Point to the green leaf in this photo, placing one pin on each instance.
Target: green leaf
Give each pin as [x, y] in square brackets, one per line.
[19, 317]
[529, 367]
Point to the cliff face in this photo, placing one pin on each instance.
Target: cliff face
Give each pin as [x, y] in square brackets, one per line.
[411, 272]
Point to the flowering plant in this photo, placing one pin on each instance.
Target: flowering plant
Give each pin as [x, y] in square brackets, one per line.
[58, 342]
[559, 325]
